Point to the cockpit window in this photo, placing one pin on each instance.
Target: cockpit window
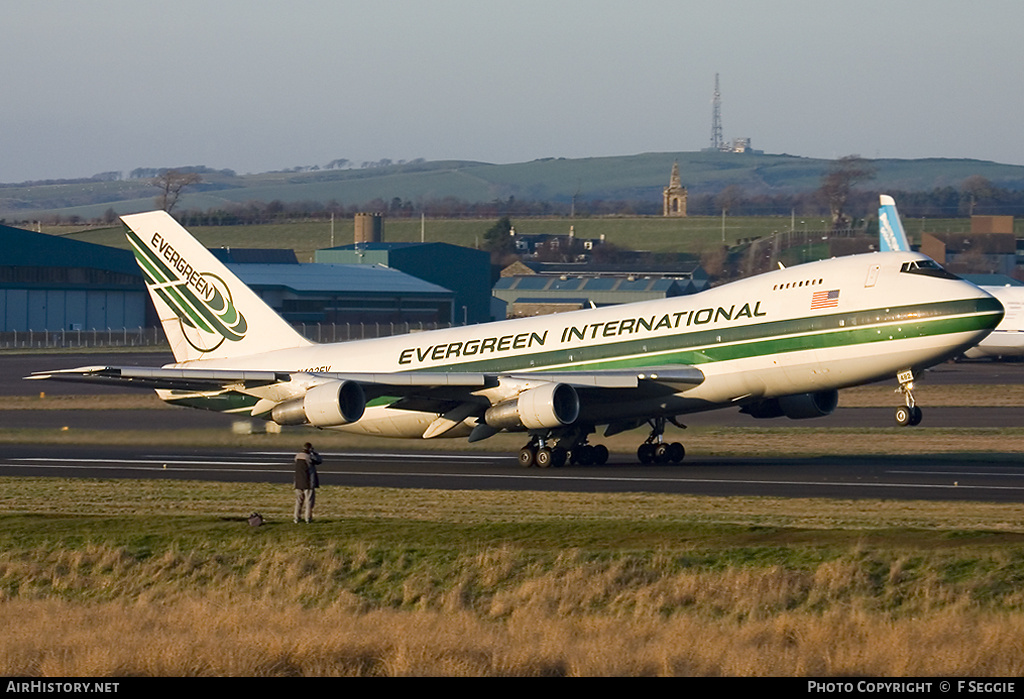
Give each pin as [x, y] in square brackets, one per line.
[929, 268]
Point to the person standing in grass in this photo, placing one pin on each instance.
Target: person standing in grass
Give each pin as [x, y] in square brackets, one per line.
[307, 480]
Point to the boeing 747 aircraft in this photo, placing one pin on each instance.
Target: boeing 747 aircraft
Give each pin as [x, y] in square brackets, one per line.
[1007, 339]
[778, 344]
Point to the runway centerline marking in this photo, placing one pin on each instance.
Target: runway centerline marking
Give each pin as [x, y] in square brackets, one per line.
[185, 466]
[988, 474]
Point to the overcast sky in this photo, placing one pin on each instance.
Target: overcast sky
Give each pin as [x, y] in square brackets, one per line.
[253, 86]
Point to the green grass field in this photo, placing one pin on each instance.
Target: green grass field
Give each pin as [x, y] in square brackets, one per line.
[696, 234]
[612, 178]
[105, 578]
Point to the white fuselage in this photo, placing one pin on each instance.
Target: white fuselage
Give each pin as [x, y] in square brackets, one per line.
[1007, 339]
[819, 326]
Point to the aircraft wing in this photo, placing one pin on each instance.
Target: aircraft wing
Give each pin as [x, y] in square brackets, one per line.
[375, 384]
[171, 379]
[187, 379]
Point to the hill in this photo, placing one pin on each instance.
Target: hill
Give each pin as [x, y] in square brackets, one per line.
[558, 180]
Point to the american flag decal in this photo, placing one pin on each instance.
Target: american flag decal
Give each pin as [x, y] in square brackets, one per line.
[825, 299]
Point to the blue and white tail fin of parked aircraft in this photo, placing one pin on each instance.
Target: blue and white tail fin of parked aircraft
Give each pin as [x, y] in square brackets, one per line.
[890, 230]
[1007, 339]
[778, 344]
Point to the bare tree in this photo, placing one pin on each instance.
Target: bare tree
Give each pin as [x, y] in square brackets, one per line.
[837, 182]
[729, 198]
[171, 184]
[714, 260]
[974, 188]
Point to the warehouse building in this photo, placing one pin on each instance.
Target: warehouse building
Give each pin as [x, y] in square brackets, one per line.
[467, 272]
[338, 293]
[51, 283]
[537, 288]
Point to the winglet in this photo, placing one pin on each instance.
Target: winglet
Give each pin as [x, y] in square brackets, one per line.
[890, 231]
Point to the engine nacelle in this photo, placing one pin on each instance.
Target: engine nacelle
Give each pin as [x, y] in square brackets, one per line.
[550, 405]
[327, 405]
[797, 407]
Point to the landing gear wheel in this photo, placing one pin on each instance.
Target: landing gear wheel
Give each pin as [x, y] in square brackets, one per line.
[527, 456]
[583, 455]
[600, 455]
[676, 452]
[907, 416]
[645, 453]
[544, 458]
[550, 458]
[661, 453]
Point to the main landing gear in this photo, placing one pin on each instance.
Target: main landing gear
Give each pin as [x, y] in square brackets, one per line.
[910, 414]
[539, 452]
[657, 451]
[572, 447]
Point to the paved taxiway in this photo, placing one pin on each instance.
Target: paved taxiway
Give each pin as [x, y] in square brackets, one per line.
[993, 477]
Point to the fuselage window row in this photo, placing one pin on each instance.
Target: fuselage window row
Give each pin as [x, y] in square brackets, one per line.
[798, 285]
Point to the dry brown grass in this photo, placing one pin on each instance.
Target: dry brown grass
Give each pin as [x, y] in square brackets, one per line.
[712, 624]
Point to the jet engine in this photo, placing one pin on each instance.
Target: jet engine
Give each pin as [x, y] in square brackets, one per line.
[797, 406]
[544, 407]
[327, 405]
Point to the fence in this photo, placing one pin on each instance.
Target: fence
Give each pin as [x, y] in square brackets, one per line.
[154, 337]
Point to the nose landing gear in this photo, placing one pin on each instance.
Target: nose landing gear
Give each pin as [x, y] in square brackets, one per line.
[910, 414]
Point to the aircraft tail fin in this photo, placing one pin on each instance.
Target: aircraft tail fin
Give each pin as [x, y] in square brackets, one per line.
[205, 310]
[890, 231]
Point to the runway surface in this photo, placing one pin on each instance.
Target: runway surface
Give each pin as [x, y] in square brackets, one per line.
[990, 477]
[987, 477]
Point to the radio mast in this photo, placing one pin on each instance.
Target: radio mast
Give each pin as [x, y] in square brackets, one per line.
[716, 119]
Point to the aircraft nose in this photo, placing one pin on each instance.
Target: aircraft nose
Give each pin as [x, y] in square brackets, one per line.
[989, 307]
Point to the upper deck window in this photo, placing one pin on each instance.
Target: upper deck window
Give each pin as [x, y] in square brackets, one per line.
[929, 268]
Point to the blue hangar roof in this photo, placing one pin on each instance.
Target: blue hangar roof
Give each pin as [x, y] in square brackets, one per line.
[22, 248]
[322, 278]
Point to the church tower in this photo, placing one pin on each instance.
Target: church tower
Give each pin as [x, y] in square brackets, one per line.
[675, 195]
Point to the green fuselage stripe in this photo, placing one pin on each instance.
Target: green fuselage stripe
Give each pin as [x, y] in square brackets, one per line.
[702, 347]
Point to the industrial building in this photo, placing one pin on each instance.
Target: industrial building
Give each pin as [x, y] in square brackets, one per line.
[536, 288]
[338, 293]
[467, 272]
[51, 283]
[990, 247]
